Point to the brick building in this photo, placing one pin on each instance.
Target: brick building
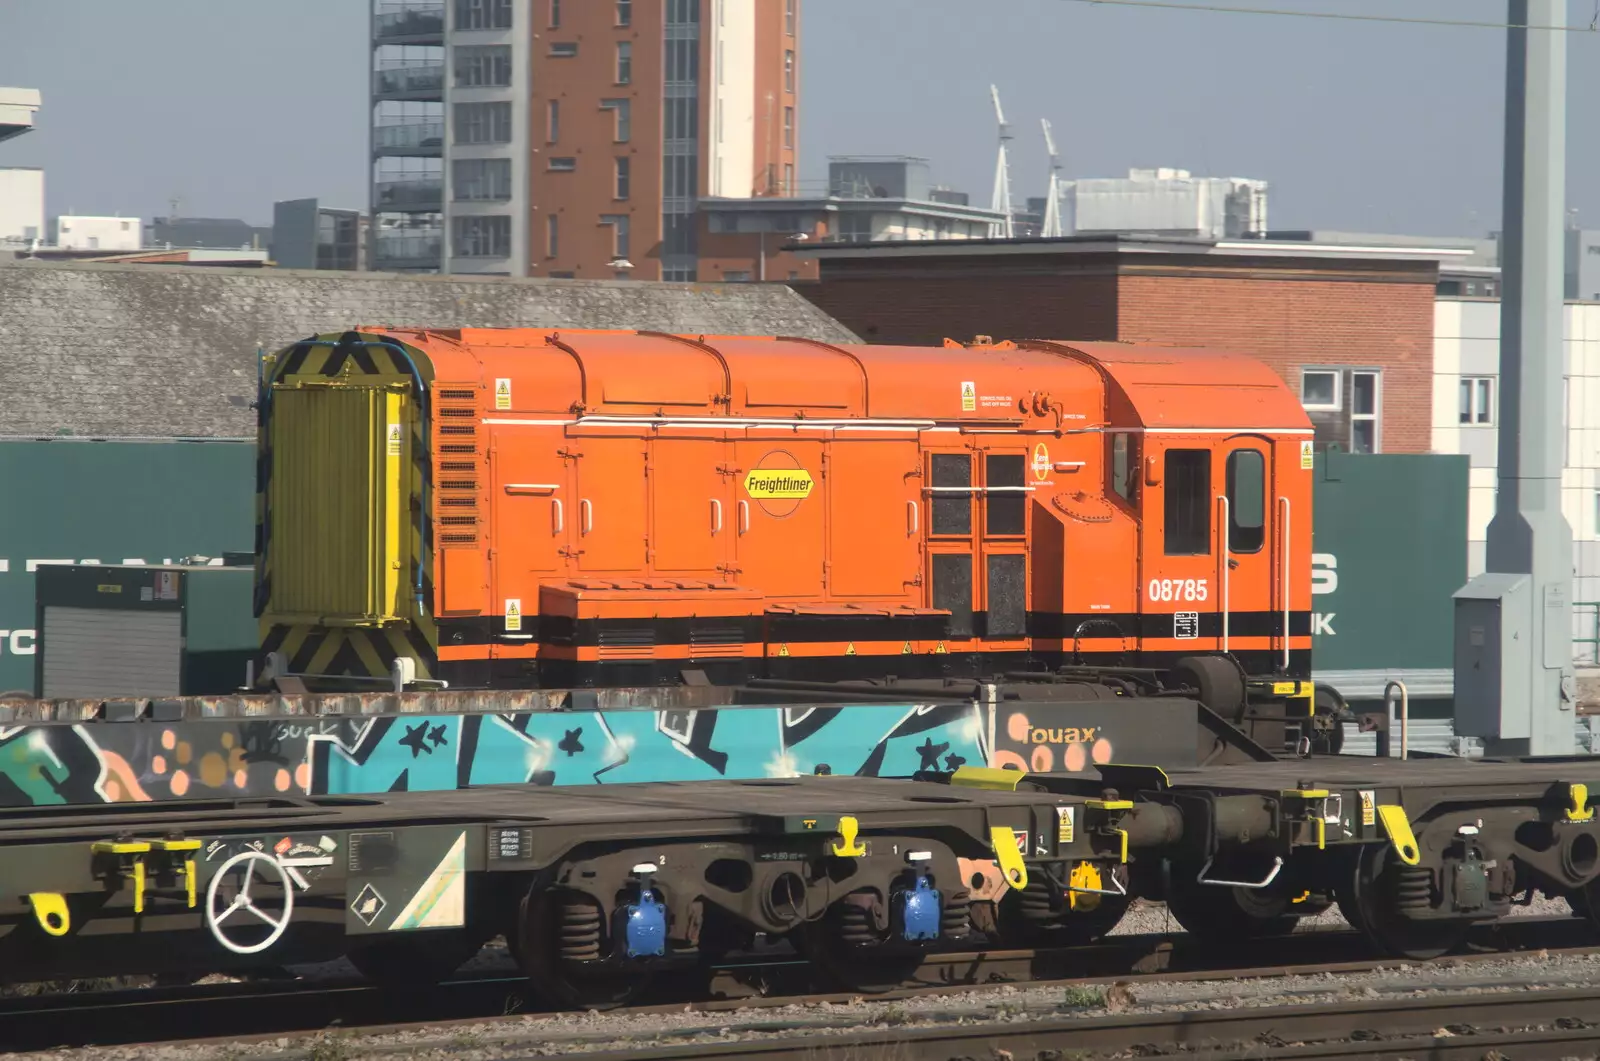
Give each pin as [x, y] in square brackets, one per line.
[1350, 328]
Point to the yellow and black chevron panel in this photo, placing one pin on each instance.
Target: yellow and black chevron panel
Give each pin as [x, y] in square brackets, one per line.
[346, 606]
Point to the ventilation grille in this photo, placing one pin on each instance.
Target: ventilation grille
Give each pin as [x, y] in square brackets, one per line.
[457, 480]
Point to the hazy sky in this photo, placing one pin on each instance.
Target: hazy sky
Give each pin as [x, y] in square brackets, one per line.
[232, 104]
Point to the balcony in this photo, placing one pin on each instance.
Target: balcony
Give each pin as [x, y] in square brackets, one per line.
[409, 23]
[414, 194]
[424, 139]
[422, 82]
[409, 250]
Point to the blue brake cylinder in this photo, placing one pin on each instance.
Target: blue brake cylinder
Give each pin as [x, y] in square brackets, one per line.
[645, 931]
[919, 911]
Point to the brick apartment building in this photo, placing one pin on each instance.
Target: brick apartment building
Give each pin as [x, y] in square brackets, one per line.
[1350, 328]
[574, 138]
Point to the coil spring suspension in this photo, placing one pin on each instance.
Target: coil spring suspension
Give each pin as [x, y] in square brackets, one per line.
[1034, 901]
[1413, 888]
[954, 919]
[853, 925]
[578, 924]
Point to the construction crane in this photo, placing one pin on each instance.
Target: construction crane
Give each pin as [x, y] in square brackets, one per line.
[1001, 202]
[1052, 196]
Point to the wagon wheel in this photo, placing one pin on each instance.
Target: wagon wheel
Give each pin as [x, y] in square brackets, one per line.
[1221, 912]
[846, 954]
[554, 922]
[1375, 886]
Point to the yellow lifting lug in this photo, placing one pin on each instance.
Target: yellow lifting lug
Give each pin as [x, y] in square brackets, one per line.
[1580, 811]
[50, 908]
[120, 847]
[1398, 826]
[847, 846]
[130, 859]
[188, 847]
[987, 777]
[1006, 852]
[1318, 820]
[1109, 804]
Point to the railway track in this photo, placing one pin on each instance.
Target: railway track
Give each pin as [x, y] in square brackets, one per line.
[273, 1008]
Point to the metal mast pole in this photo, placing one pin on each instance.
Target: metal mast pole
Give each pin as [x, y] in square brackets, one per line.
[1529, 555]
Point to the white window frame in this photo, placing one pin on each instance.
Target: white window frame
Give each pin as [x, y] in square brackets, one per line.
[1376, 416]
[1474, 387]
[1338, 389]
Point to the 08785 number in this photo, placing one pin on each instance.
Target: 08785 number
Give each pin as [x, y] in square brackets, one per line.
[1184, 589]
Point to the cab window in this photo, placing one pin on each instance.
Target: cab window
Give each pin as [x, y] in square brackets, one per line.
[1247, 501]
[1125, 466]
[1187, 502]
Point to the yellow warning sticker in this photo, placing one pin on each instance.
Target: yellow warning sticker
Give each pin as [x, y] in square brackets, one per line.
[905, 649]
[1064, 824]
[513, 614]
[774, 484]
[940, 649]
[850, 649]
[1368, 807]
[1306, 457]
[783, 650]
[397, 437]
[969, 396]
[1041, 462]
[502, 393]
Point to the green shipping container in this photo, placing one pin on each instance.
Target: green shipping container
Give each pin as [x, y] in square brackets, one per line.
[111, 502]
[1389, 548]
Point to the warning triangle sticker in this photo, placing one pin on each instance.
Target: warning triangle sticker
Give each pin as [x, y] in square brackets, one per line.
[783, 650]
[850, 649]
[905, 649]
[941, 648]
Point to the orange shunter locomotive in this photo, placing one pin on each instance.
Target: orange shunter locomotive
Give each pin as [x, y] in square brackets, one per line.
[520, 508]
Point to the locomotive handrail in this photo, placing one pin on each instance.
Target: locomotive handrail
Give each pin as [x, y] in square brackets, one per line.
[915, 520]
[558, 516]
[1285, 550]
[1222, 565]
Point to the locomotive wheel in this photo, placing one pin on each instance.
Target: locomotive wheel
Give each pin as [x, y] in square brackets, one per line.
[1377, 884]
[419, 959]
[1215, 912]
[558, 926]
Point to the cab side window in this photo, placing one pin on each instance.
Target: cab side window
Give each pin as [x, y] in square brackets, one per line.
[1124, 465]
[1247, 501]
[1187, 497]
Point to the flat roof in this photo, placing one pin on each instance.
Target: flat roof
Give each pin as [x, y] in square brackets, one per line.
[1152, 245]
[834, 203]
[16, 110]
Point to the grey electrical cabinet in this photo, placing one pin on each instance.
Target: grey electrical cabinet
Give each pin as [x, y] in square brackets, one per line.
[143, 632]
[1494, 614]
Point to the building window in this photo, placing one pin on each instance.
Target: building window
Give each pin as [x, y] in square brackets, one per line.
[1477, 400]
[1247, 501]
[788, 71]
[682, 61]
[552, 121]
[737, 276]
[562, 165]
[788, 127]
[555, 14]
[788, 17]
[1364, 412]
[855, 228]
[483, 123]
[788, 178]
[624, 178]
[483, 65]
[564, 50]
[619, 233]
[481, 180]
[482, 237]
[622, 113]
[1319, 389]
[1187, 502]
[624, 12]
[624, 63]
[552, 235]
[682, 119]
[483, 14]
